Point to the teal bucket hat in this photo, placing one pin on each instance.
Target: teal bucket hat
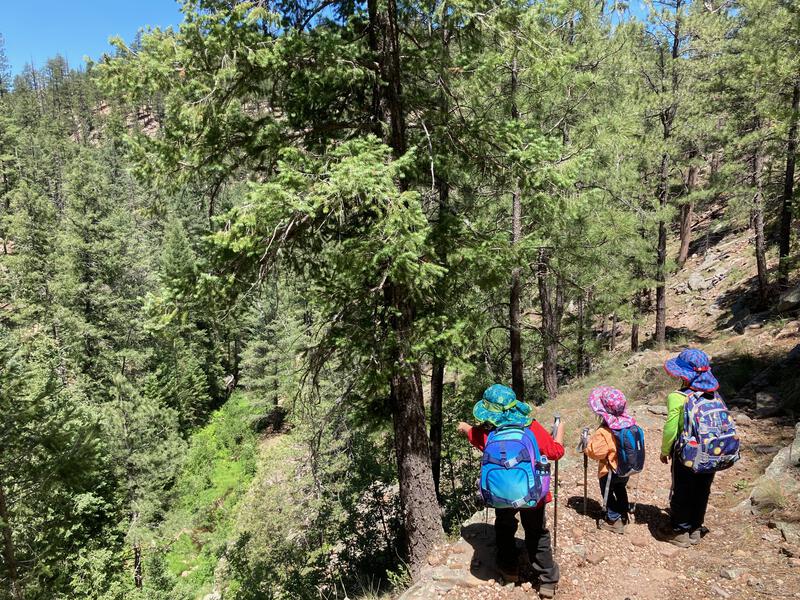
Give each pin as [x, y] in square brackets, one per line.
[500, 407]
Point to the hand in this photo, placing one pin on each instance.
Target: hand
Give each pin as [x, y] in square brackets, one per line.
[463, 428]
[664, 459]
[559, 439]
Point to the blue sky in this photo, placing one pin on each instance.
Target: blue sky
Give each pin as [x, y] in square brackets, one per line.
[36, 31]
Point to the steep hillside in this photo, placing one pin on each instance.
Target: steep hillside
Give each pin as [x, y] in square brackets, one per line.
[753, 544]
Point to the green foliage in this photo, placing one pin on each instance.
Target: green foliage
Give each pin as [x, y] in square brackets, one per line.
[216, 258]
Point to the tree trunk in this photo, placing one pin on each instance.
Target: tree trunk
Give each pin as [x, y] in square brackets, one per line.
[758, 226]
[581, 343]
[552, 309]
[421, 516]
[661, 255]
[515, 326]
[788, 192]
[686, 216]
[637, 311]
[437, 392]
[9, 553]
[137, 566]
[667, 119]
[394, 90]
[612, 341]
[374, 47]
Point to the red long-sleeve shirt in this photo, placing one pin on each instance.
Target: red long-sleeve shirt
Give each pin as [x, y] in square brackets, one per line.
[478, 435]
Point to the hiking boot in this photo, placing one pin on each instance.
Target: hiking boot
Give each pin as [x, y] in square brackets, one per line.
[679, 538]
[547, 590]
[696, 535]
[510, 574]
[613, 526]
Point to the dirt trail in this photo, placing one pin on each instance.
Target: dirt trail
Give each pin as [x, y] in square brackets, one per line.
[744, 555]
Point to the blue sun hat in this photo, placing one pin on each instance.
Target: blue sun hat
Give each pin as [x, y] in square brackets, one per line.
[694, 367]
[500, 407]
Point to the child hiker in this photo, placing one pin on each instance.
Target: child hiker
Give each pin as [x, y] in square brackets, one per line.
[515, 480]
[610, 405]
[700, 439]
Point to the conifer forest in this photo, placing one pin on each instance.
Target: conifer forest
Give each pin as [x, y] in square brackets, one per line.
[255, 268]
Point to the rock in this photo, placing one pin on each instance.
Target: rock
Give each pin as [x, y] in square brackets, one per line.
[697, 282]
[789, 300]
[658, 409]
[668, 550]
[764, 449]
[767, 405]
[789, 531]
[595, 558]
[791, 329]
[213, 596]
[640, 541]
[742, 419]
[578, 549]
[794, 562]
[720, 592]
[729, 573]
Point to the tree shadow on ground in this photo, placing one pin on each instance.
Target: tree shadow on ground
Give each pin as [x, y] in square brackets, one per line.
[484, 562]
[483, 566]
[701, 244]
[678, 336]
[656, 518]
[742, 306]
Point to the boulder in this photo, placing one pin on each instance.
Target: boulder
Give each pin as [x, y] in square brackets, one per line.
[698, 283]
[789, 300]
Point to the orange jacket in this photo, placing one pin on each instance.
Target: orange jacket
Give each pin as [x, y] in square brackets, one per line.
[602, 447]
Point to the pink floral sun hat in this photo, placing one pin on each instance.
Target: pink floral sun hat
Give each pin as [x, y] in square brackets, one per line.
[611, 405]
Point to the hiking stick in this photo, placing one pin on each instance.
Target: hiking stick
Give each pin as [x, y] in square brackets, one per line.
[581, 447]
[556, 423]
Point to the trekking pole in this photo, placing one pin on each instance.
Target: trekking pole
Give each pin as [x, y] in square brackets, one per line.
[556, 423]
[582, 444]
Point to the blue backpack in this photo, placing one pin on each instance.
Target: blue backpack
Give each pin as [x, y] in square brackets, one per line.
[709, 441]
[630, 455]
[514, 474]
[630, 450]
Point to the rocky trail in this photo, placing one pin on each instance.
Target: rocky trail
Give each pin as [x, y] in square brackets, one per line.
[745, 554]
[752, 548]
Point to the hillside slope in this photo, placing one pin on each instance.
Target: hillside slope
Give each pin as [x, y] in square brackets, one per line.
[752, 548]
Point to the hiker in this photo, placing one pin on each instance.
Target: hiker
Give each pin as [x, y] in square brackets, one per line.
[507, 424]
[700, 439]
[606, 446]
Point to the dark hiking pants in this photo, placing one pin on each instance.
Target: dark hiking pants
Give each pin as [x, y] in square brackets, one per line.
[690, 492]
[537, 540]
[617, 497]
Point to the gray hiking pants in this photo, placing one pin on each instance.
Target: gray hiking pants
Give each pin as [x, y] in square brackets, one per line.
[537, 540]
